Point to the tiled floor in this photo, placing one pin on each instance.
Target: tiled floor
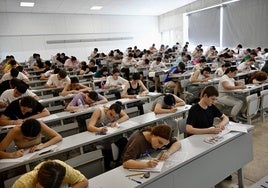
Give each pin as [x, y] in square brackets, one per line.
[258, 168]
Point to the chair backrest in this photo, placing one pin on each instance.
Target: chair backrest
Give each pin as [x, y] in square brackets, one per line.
[88, 161]
[264, 99]
[252, 104]
[9, 182]
[162, 77]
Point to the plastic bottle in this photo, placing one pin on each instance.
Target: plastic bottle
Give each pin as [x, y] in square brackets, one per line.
[102, 85]
[80, 104]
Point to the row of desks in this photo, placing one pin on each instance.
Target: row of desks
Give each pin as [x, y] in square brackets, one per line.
[85, 138]
[199, 164]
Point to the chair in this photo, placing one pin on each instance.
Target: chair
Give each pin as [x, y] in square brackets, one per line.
[263, 103]
[9, 182]
[253, 102]
[88, 161]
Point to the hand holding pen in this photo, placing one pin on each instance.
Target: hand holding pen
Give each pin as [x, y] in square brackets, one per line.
[18, 153]
[152, 162]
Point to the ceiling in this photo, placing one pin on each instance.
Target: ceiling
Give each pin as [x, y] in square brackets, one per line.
[112, 7]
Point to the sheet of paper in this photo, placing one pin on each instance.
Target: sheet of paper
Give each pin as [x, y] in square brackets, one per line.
[25, 157]
[178, 157]
[47, 149]
[50, 117]
[111, 130]
[158, 168]
[237, 127]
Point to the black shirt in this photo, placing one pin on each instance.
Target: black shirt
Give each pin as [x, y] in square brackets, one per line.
[13, 110]
[202, 118]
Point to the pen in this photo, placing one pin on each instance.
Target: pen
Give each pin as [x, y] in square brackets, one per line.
[148, 154]
[45, 152]
[139, 182]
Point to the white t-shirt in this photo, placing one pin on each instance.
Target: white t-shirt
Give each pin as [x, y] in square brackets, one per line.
[7, 76]
[157, 67]
[8, 96]
[53, 80]
[111, 81]
[221, 89]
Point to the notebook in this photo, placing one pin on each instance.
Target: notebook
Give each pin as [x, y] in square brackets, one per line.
[158, 168]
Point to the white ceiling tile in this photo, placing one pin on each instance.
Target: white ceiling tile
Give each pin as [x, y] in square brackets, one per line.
[114, 7]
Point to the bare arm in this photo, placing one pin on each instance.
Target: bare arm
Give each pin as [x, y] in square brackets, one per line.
[91, 127]
[6, 142]
[7, 121]
[191, 130]
[53, 136]
[81, 184]
[44, 113]
[159, 110]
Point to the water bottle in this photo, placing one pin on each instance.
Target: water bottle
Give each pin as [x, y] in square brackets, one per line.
[102, 85]
[80, 104]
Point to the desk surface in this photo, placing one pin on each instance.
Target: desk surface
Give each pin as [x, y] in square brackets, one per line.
[81, 139]
[217, 161]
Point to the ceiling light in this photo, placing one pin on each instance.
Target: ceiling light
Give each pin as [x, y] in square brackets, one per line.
[26, 4]
[96, 8]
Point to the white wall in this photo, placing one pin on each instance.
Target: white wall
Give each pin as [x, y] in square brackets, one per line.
[22, 34]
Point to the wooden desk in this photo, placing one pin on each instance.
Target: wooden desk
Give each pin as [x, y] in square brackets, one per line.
[204, 165]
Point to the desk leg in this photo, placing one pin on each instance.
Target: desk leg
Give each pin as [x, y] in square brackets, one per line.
[240, 178]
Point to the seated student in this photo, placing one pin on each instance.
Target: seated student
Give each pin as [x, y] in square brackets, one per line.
[72, 64]
[84, 68]
[10, 65]
[220, 71]
[132, 91]
[14, 73]
[28, 135]
[58, 80]
[180, 69]
[21, 69]
[246, 65]
[22, 109]
[201, 115]
[74, 87]
[20, 90]
[48, 73]
[227, 83]
[201, 75]
[52, 174]
[201, 64]
[104, 116]
[103, 72]
[88, 99]
[157, 66]
[132, 88]
[92, 66]
[142, 143]
[115, 80]
[258, 77]
[167, 104]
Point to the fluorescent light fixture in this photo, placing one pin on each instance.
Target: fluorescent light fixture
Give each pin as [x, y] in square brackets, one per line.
[96, 8]
[26, 4]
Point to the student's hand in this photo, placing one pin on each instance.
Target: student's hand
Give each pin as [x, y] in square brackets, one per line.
[241, 87]
[36, 148]
[86, 105]
[173, 109]
[164, 155]
[103, 129]
[114, 124]
[152, 163]
[220, 126]
[18, 153]
[215, 130]
[17, 122]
